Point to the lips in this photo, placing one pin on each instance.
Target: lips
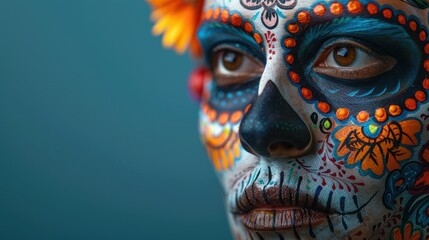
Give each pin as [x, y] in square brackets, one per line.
[272, 208]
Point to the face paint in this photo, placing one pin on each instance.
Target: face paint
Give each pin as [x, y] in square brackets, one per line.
[316, 117]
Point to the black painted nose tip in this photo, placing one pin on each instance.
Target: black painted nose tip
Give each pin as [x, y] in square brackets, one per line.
[271, 128]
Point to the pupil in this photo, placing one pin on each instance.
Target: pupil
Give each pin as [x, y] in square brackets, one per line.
[345, 56]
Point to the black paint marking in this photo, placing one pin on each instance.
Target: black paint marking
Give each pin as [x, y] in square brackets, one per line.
[280, 236]
[344, 223]
[359, 215]
[247, 198]
[294, 225]
[270, 176]
[282, 176]
[248, 181]
[331, 227]
[251, 237]
[328, 207]
[297, 191]
[355, 201]
[238, 203]
[260, 236]
[316, 196]
[360, 208]
[310, 228]
[274, 220]
[253, 184]
[306, 200]
[342, 205]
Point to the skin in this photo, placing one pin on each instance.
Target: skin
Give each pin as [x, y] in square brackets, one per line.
[315, 133]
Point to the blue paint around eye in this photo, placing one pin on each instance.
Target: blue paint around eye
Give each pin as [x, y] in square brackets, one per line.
[212, 34]
[367, 93]
[352, 94]
[398, 87]
[373, 30]
[381, 93]
[332, 91]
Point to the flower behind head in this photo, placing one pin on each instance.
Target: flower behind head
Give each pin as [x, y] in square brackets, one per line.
[178, 20]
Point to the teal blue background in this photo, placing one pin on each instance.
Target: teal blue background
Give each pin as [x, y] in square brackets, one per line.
[98, 137]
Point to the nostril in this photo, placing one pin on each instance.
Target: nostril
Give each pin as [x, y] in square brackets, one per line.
[285, 149]
[280, 149]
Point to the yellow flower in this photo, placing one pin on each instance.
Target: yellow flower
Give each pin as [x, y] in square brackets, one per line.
[178, 20]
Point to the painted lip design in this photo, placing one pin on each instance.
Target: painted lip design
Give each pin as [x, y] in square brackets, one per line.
[277, 207]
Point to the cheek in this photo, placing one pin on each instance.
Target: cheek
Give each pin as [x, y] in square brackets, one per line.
[221, 112]
[219, 134]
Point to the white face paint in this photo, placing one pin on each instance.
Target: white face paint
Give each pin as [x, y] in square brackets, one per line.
[316, 117]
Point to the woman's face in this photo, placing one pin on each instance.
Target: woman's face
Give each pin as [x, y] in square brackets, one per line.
[316, 116]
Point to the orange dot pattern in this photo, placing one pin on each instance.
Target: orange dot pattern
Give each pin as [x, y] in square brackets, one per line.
[362, 116]
[302, 22]
[223, 117]
[223, 148]
[342, 114]
[234, 19]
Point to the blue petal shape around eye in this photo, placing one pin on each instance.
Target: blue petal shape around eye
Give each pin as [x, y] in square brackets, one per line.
[397, 88]
[382, 92]
[332, 91]
[367, 93]
[352, 94]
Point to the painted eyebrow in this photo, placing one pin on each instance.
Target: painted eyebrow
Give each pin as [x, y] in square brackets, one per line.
[373, 30]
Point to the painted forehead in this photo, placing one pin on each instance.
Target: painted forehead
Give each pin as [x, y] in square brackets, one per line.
[280, 8]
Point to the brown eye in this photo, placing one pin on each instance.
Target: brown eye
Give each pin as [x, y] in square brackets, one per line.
[353, 61]
[233, 66]
[345, 56]
[232, 60]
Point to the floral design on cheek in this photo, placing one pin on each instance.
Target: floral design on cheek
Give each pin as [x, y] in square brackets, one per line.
[270, 14]
[374, 148]
[222, 111]
[406, 233]
[219, 133]
[381, 96]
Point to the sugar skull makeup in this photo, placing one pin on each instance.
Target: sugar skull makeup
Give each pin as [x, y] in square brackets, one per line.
[315, 116]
